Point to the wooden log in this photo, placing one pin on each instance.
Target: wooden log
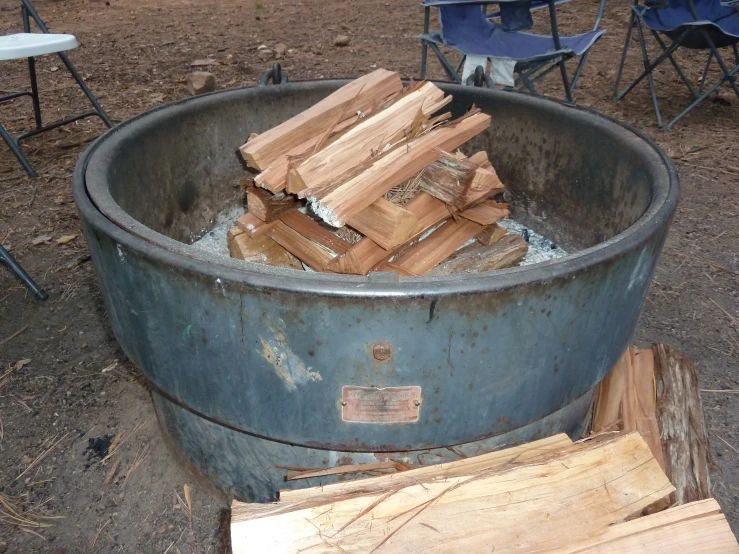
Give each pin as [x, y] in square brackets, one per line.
[681, 424]
[560, 495]
[252, 225]
[267, 206]
[507, 252]
[388, 224]
[313, 231]
[260, 250]
[366, 254]
[398, 165]
[359, 95]
[434, 249]
[449, 178]
[490, 235]
[486, 213]
[367, 140]
[656, 392]
[311, 253]
[695, 527]
[498, 459]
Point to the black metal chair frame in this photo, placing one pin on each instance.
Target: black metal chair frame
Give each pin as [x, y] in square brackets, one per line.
[7, 260]
[28, 13]
[528, 72]
[693, 37]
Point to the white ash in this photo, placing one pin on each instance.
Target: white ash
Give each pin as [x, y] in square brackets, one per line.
[215, 241]
[541, 249]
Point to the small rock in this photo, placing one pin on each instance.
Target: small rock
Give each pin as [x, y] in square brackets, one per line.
[262, 47]
[3, 546]
[265, 54]
[281, 48]
[341, 40]
[200, 82]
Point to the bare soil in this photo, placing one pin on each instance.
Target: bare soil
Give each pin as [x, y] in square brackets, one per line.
[65, 385]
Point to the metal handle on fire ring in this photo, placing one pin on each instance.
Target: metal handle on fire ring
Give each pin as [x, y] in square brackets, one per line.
[479, 78]
[274, 75]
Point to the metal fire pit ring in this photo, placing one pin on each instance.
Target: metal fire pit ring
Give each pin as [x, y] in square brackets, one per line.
[248, 363]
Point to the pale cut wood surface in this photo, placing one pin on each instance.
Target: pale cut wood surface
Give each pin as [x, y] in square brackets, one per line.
[367, 139]
[395, 167]
[507, 252]
[437, 247]
[366, 254]
[312, 254]
[557, 496]
[313, 231]
[252, 225]
[387, 224]
[694, 528]
[260, 250]
[486, 213]
[359, 95]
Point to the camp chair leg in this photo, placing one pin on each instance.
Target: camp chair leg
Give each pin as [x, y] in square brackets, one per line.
[728, 74]
[677, 66]
[424, 44]
[736, 53]
[445, 64]
[623, 56]
[7, 260]
[558, 46]
[648, 70]
[13, 145]
[580, 65]
[700, 99]
[461, 63]
[704, 76]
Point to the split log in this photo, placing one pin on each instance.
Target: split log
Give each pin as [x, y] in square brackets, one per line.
[267, 206]
[352, 196]
[681, 424]
[487, 213]
[434, 249]
[560, 494]
[368, 139]
[260, 250]
[252, 225]
[696, 527]
[311, 253]
[388, 224]
[655, 391]
[313, 231]
[507, 252]
[366, 254]
[359, 95]
[490, 235]
[461, 182]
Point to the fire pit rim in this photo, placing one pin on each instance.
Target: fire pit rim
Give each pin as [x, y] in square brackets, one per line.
[89, 182]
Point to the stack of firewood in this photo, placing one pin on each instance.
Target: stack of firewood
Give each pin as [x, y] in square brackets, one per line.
[368, 180]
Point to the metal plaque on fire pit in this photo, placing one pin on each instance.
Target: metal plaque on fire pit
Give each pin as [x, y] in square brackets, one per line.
[376, 405]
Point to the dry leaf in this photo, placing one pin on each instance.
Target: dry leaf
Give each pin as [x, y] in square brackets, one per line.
[41, 239]
[111, 367]
[54, 68]
[65, 239]
[20, 363]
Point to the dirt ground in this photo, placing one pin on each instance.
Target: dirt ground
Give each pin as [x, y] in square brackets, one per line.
[67, 390]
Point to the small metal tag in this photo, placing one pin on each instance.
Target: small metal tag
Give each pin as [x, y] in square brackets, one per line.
[375, 405]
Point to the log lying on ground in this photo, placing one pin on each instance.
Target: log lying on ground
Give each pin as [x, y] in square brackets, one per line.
[260, 250]
[269, 207]
[655, 391]
[507, 252]
[559, 494]
[359, 95]
[698, 527]
[355, 194]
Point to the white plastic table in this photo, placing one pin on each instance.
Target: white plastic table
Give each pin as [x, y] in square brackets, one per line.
[25, 45]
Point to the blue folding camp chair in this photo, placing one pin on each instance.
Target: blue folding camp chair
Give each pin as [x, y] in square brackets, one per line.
[465, 27]
[700, 25]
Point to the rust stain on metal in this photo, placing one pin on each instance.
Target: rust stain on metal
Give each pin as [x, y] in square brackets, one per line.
[380, 405]
[382, 351]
